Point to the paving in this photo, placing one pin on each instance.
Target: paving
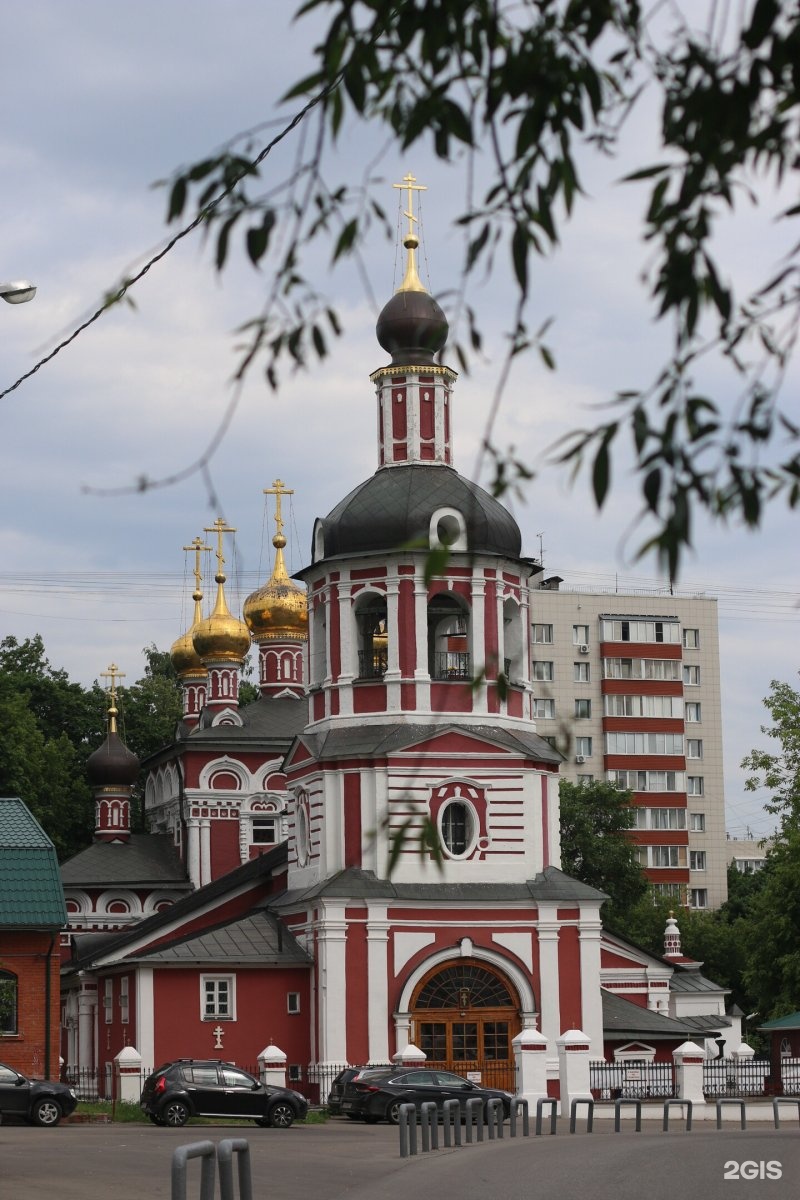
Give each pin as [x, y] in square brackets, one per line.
[344, 1160]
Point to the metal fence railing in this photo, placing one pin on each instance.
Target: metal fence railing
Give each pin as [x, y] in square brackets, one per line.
[737, 1077]
[637, 1080]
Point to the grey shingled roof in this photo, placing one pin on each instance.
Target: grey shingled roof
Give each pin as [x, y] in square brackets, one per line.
[549, 885]
[379, 741]
[258, 938]
[269, 723]
[31, 896]
[146, 859]
[622, 1018]
[689, 979]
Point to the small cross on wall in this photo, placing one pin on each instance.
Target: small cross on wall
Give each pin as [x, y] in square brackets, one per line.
[218, 1032]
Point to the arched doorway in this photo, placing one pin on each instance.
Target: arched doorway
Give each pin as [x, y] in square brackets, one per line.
[464, 1016]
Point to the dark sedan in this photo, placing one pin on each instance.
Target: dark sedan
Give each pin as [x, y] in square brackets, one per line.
[208, 1088]
[379, 1095]
[40, 1101]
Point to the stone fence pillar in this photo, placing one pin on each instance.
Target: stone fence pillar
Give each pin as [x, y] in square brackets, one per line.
[689, 1059]
[128, 1075]
[530, 1056]
[410, 1056]
[272, 1067]
[573, 1068]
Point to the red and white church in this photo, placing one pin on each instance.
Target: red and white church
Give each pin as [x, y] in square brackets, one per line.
[395, 713]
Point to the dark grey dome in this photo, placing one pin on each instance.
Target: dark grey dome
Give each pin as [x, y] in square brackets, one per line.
[412, 327]
[395, 507]
[112, 764]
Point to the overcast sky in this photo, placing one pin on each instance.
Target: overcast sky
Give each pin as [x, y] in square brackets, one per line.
[99, 101]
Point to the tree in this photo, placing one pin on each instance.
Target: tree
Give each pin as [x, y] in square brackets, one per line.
[595, 848]
[772, 933]
[779, 772]
[527, 89]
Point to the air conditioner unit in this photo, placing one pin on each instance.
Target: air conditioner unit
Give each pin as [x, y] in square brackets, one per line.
[580, 758]
[584, 649]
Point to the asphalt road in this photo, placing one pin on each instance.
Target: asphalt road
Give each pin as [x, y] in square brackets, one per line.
[349, 1161]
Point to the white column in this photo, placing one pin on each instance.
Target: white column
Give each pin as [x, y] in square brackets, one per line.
[205, 850]
[193, 850]
[573, 1068]
[421, 674]
[549, 1001]
[478, 639]
[145, 1017]
[331, 943]
[87, 1011]
[346, 649]
[591, 997]
[413, 406]
[378, 982]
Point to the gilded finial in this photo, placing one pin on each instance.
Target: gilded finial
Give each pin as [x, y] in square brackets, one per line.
[198, 546]
[277, 490]
[113, 673]
[219, 528]
[411, 281]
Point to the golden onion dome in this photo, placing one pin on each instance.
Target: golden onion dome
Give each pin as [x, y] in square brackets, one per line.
[280, 608]
[185, 658]
[221, 637]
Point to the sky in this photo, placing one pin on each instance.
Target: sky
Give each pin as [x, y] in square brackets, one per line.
[102, 100]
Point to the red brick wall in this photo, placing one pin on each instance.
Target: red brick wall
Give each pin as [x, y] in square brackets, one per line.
[25, 954]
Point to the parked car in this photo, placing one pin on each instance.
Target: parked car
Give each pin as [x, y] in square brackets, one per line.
[378, 1095]
[40, 1101]
[191, 1087]
[337, 1088]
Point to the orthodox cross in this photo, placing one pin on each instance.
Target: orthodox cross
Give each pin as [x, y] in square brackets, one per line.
[113, 673]
[277, 490]
[218, 1032]
[219, 528]
[198, 547]
[410, 185]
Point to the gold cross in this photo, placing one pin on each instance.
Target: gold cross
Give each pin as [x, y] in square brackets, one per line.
[411, 186]
[198, 547]
[277, 490]
[219, 528]
[113, 673]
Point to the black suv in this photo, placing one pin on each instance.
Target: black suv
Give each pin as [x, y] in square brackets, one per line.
[40, 1101]
[191, 1087]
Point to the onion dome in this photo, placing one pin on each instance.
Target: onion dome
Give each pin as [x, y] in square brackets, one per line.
[185, 658]
[112, 764]
[221, 637]
[280, 608]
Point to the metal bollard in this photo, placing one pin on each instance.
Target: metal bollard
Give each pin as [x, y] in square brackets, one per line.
[720, 1103]
[205, 1150]
[494, 1117]
[519, 1102]
[475, 1111]
[451, 1122]
[225, 1152]
[553, 1104]
[687, 1104]
[408, 1130]
[429, 1116]
[573, 1109]
[777, 1100]
[618, 1103]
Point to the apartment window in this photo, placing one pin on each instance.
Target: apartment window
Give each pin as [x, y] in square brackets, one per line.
[694, 747]
[543, 634]
[108, 1000]
[124, 1000]
[218, 997]
[582, 672]
[691, 639]
[694, 785]
[583, 709]
[544, 708]
[585, 780]
[265, 831]
[293, 1002]
[665, 856]
[643, 706]
[640, 631]
[667, 818]
[580, 635]
[697, 860]
[667, 891]
[583, 745]
[550, 739]
[698, 898]
[642, 668]
[692, 713]
[691, 676]
[648, 781]
[543, 671]
[697, 822]
[644, 743]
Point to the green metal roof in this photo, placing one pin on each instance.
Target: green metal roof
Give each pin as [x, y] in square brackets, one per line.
[792, 1021]
[31, 896]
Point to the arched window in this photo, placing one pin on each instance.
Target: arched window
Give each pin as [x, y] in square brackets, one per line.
[512, 665]
[371, 636]
[448, 638]
[319, 649]
[8, 1002]
[458, 828]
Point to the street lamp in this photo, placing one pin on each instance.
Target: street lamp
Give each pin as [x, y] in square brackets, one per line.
[19, 291]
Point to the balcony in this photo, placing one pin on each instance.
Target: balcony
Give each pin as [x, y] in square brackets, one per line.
[452, 665]
[372, 664]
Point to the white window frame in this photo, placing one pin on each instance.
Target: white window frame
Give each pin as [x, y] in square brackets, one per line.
[541, 634]
[691, 675]
[698, 897]
[108, 1000]
[697, 822]
[580, 635]
[124, 1001]
[542, 670]
[697, 860]
[583, 745]
[260, 821]
[215, 981]
[691, 639]
[544, 709]
[695, 785]
[582, 672]
[293, 1003]
[694, 749]
[692, 712]
[583, 709]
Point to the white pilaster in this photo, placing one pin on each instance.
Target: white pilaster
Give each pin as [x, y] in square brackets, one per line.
[421, 674]
[205, 850]
[346, 649]
[478, 630]
[145, 1017]
[377, 982]
[550, 1004]
[193, 850]
[331, 943]
[591, 996]
[573, 1068]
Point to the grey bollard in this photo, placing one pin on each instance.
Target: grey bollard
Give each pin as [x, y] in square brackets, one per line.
[519, 1102]
[687, 1104]
[451, 1122]
[205, 1150]
[776, 1102]
[553, 1105]
[740, 1103]
[429, 1116]
[408, 1130]
[225, 1152]
[573, 1111]
[474, 1115]
[618, 1103]
[494, 1117]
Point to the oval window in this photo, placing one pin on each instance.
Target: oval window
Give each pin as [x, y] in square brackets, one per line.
[302, 833]
[457, 826]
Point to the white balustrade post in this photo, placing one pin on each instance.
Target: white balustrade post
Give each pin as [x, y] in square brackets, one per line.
[530, 1056]
[272, 1066]
[689, 1059]
[573, 1068]
[128, 1073]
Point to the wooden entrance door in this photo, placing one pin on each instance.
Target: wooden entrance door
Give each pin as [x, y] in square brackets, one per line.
[464, 1017]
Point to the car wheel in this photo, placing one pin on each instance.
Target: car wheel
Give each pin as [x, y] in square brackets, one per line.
[175, 1113]
[46, 1112]
[393, 1111]
[281, 1115]
[156, 1120]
